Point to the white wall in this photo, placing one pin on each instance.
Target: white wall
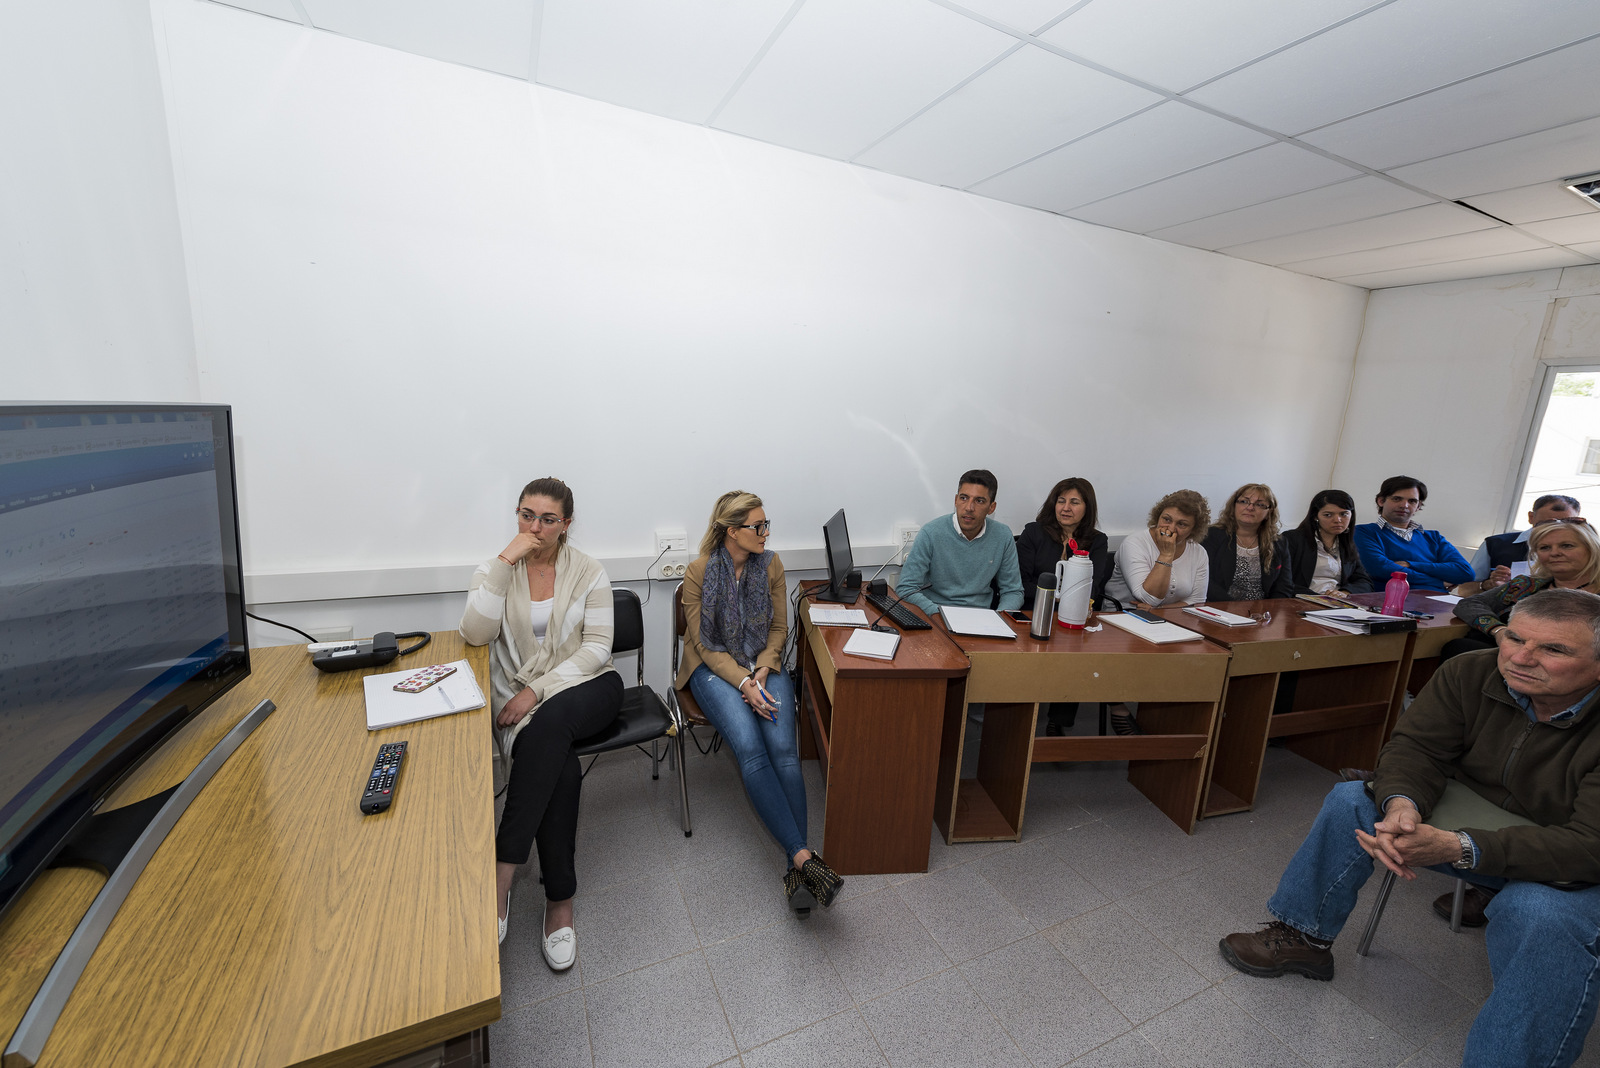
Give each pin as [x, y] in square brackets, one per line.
[94, 300]
[1444, 388]
[421, 285]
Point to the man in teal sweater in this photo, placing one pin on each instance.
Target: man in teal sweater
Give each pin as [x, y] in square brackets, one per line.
[960, 558]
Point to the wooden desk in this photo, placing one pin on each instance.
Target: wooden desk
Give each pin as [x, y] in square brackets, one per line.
[1341, 700]
[276, 925]
[1421, 657]
[1178, 687]
[876, 727]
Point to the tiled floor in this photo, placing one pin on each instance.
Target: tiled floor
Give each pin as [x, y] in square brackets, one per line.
[1093, 941]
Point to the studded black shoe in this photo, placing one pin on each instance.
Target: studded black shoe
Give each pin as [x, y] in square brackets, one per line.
[821, 880]
[797, 892]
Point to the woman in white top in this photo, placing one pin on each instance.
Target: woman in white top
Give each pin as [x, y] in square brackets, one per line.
[1165, 565]
[544, 608]
[1322, 551]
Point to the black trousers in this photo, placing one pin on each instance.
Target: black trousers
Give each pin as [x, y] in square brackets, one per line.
[546, 780]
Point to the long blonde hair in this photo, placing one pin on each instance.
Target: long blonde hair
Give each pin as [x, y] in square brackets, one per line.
[730, 511]
[1583, 532]
[1267, 533]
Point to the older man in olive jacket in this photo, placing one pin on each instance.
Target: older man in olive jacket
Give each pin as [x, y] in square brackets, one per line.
[1520, 728]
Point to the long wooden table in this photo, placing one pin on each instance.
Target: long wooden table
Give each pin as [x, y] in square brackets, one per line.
[876, 725]
[277, 925]
[1178, 688]
[1343, 689]
[1421, 658]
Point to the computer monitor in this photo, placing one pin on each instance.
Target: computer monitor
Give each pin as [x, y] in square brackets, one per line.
[836, 544]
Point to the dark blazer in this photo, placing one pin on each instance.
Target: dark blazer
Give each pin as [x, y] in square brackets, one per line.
[1219, 546]
[1505, 549]
[1303, 561]
[1038, 552]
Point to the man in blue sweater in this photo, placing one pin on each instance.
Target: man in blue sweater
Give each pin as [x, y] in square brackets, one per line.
[960, 558]
[1397, 543]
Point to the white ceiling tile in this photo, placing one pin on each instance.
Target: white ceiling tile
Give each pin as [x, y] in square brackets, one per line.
[678, 59]
[1530, 203]
[1149, 146]
[1408, 47]
[1576, 230]
[1419, 253]
[1401, 227]
[845, 72]
[1263, 174]
[492, 35]
[278, 9]
[1026, 104]
[1539, 259]
[1358, 198]
[1180, 45]
[1588, 248]
[1530, 96]
[1541, 157]
[1024, 15]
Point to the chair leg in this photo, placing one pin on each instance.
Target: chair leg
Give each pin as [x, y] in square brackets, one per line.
[655, 759]
[1377, 913]
[683, 785]
[1455, 905]
[1105, 710]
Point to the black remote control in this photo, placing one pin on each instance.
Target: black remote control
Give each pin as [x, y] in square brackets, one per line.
[385, 775]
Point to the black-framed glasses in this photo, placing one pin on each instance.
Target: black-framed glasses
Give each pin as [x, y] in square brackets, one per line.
[761, 528]
[1263, 505]
[543, 520]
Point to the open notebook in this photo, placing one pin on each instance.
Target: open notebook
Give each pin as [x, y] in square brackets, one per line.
[388, 707]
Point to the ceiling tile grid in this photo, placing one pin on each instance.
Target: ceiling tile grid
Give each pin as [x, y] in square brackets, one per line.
[1330, 137]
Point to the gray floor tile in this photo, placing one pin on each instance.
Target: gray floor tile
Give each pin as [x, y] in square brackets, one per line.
[1050, 1010]
[550, 1034]
[841, 1041]
[614, 788]
[617, 852]
[940, 1022]
[1446, 1048]
[1410, 929]
[666, 1016]
[1210, 1030]
[1126, 963]
[524, 976]
[941, 856]
[631, 925]
[736, 892]
[774, 981]
[1053, 798]
[1125, 851]
[1392, 989]
[965, 914]
[1316, 1021]
[876, 944]
[1039, 884]
[723, 822]
[1129, 1051]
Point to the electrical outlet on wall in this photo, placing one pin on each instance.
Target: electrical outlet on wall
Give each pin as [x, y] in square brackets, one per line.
[905, 536]
[672, 548]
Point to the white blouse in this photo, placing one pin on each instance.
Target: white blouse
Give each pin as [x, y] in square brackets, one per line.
[1136, 557]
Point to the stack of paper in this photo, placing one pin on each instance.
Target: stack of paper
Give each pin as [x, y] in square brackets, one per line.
[1160, 633]
[388, 707]
[873, 643]
[838, 617]
[978, 622]
[1217, 615]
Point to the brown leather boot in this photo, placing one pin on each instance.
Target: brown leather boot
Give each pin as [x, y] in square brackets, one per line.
[1473, 902]
[1275, 949]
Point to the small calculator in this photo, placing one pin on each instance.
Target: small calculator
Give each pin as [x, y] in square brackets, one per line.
[425, 678]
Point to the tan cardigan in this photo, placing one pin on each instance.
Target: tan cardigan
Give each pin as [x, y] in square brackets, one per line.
[724, 665]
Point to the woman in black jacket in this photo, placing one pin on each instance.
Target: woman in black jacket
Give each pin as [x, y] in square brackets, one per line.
[1248, 559]
[1322, 547]
[1066, 520]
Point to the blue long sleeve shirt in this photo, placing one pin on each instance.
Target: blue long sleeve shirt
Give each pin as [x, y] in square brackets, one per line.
[1434, 562]
[943, 567]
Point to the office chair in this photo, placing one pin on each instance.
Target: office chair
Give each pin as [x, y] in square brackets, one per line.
[1459, 806]
[644, 716]
[683, 700]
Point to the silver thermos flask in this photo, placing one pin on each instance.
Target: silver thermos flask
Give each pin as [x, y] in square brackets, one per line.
[1044, 607]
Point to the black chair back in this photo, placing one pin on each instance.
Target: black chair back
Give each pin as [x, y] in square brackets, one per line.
[629, 624]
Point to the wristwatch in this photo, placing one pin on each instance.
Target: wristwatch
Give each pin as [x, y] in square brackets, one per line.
[1465, 862]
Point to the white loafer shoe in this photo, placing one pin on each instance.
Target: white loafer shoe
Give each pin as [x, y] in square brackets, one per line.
[560, 948]
[505, 919]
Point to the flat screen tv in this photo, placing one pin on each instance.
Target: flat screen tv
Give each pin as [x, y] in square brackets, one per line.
[121, 604]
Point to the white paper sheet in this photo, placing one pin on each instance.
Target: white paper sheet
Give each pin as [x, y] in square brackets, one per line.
[978, 622]
[388, 707]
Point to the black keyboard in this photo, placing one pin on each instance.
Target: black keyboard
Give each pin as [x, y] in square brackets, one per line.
[898, 613]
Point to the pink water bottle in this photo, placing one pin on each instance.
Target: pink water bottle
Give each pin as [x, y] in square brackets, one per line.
[1395, 592]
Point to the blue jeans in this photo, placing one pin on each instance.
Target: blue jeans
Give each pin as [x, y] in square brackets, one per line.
[768, 751]
[1544, 943]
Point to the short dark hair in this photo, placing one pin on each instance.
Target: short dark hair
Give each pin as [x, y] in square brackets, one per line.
[1400, 482]
[979, 477]
[556, 490]
[1551, 498]
[1086, 526]
[1312, 529]
[1564, 606]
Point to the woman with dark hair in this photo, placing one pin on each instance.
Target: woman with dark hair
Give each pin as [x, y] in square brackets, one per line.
[1066, 521]
[1248, 561]
[1322, 550]
[735, 611]
[544, 609]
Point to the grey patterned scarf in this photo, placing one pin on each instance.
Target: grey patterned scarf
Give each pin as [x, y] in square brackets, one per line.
[735, 614]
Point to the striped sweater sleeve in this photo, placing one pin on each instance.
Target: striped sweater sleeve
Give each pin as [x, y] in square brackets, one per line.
[486, 602]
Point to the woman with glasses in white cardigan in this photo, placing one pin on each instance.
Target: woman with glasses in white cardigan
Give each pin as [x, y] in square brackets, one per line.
[544, 608]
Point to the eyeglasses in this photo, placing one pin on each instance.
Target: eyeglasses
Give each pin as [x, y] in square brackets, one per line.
[760, 528]
[1263, 505]
[1578, 519]
[541, 520]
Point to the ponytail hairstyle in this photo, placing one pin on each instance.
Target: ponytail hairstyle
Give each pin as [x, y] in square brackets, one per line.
[556, 490]
[731, 510]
